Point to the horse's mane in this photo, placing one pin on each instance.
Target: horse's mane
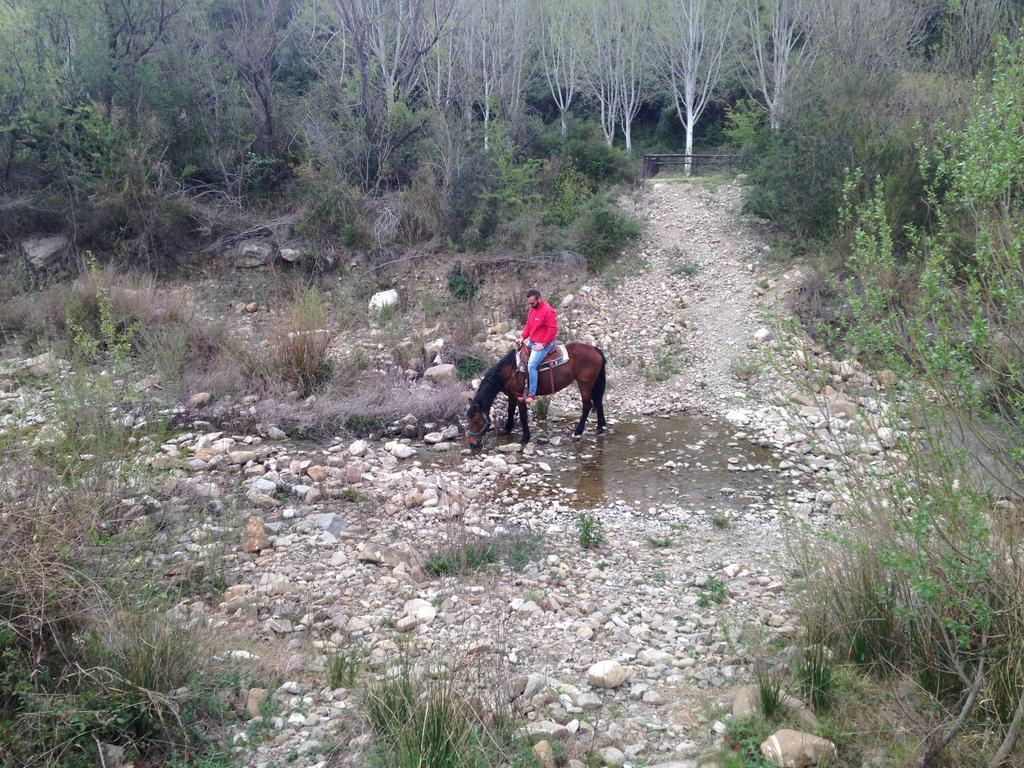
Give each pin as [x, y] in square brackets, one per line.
[493, 383]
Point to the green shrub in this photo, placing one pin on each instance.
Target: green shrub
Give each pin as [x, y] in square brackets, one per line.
[587, 151]
[462, 283]
[743, 739]
[602, 232]
[570, 193]
[591, 530]
[925, 577]
[714, 591]
[468, 366]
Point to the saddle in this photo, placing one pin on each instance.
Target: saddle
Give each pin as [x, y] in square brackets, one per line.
[558, 355]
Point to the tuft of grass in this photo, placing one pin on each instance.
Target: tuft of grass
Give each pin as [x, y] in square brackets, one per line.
[591, 530]
[771, 688]
[420, 723]
[720, 520]
[744, 368]
[664, 368]
[300, 351]
[468, 366]
[522, 549]
[465, 558]
[814, 675]
[462, 282]
[540, 408]
[714, 592]
[344, 666]
[684, 269]
[516, 550]
[659, 543]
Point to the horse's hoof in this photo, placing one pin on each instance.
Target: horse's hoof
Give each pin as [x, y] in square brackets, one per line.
[575, 438]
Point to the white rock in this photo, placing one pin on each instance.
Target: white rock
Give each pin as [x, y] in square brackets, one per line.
[606, 674]
[384, 299]
[650, 657]
[445, 373]
[795, 749]
[402, 451]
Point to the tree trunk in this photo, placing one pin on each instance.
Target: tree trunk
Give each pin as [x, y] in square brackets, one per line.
[689, 145]
[563, 129]
[627, 129]
[487, 128]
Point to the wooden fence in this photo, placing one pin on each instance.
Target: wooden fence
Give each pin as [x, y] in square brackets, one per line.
[697, 163]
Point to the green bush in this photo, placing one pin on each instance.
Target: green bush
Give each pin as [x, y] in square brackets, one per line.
[591, 530]
[570, 193]
[469, 366]
[602, 232]
[585, 150]
[925, 578]
[462, 283]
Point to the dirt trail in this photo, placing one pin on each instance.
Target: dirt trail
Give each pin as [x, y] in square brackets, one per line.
[677, 321]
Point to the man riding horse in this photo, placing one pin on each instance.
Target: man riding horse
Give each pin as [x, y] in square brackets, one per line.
[573, 362]
[538, 336]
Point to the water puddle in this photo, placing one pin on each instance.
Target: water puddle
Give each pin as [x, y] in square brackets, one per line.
[682, 459]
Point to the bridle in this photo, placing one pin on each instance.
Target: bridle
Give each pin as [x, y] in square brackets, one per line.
[483, 430]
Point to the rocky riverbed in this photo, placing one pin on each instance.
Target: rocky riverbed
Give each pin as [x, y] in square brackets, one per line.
[633, 648]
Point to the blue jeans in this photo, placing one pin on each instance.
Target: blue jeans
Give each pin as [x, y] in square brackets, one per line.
[537, 356]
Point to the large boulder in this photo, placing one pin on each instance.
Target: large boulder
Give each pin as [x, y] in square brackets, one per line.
[46, 251]
[254, 253]
[383, 300]
[445, 373]
[795, 749]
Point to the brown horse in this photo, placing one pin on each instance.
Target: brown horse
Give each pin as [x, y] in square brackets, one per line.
[586, 367]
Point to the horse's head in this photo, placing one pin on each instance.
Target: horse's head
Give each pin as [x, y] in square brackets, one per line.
[478, 422]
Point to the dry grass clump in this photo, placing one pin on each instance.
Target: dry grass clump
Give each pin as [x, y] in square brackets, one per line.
[52, 313]
[300, 351]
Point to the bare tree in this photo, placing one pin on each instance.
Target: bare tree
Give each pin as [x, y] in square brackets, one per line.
[133, 28]
[868, 37]
[779, 48]
[635, 29]
[257, 34]
[692, 46]
[971, 30]
[601, 54]
[615, 71]
[495, 45]
[389, 40]
[559, 26]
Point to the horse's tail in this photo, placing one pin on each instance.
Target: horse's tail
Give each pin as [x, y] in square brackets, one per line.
[602, 379]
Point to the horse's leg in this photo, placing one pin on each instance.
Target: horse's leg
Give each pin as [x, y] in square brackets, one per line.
[524, 421]
[510, 416]
[588, 403]
[599, 407]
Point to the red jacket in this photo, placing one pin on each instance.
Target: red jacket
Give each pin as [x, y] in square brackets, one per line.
[541, 325]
